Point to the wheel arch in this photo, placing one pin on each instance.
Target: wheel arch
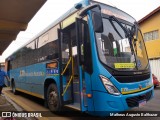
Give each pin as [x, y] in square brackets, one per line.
[47, 82]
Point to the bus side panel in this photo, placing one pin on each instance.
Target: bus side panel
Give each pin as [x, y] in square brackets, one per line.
[36, 77]
[87, 89]
[18, 75]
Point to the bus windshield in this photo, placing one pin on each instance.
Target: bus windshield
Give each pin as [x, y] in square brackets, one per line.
[117, 50]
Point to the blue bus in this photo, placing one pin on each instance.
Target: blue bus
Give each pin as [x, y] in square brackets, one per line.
[92, 59]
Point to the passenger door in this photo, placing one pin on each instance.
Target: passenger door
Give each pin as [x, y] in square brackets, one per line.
[75, 64]
[66, 85]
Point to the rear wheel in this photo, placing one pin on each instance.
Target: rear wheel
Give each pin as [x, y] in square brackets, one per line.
[53, 100]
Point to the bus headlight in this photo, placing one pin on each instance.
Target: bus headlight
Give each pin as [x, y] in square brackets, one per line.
[109, 86]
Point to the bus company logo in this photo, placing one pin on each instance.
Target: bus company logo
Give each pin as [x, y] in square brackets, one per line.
[23, 73]
[137, 73]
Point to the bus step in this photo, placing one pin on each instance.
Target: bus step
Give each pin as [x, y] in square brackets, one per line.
[75, 106]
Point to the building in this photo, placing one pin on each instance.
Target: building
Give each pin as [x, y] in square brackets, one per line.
[150, 26]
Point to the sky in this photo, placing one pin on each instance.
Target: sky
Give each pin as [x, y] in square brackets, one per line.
[53, 9]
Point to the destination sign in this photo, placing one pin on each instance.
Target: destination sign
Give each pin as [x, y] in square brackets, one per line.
[124, 65]
[110, 10]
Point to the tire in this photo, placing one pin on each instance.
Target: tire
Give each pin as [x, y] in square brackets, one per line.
[14, 88]
[53, 100]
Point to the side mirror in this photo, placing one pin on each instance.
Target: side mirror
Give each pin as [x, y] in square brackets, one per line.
[97, 22]
[96, 16]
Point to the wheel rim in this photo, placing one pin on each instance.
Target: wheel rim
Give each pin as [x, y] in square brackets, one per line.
[53, 99]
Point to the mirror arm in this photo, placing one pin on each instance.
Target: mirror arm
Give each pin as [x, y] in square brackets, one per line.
[84, 10]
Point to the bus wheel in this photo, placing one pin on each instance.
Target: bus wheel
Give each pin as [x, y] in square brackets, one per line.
[53, 98]
[14, 88]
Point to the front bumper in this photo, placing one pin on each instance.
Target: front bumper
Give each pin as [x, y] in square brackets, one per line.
[105, 103]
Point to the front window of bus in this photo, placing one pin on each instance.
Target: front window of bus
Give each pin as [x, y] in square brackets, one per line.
[117, 51]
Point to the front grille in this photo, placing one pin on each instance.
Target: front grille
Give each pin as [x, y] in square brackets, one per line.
[134, 101]
[130, 79]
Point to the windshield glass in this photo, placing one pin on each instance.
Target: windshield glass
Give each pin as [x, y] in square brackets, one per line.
[117, 51]
[140, 51]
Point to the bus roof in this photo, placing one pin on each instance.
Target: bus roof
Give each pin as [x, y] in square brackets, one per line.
[60, 19]
[68, 13]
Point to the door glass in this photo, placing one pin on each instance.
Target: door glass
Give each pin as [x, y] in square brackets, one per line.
[65, 49]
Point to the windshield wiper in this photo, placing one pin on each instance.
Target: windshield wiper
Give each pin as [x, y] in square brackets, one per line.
[124, 29]
[134, 32]
[116, 29]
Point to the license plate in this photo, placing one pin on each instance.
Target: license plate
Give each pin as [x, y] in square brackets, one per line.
[142, 103]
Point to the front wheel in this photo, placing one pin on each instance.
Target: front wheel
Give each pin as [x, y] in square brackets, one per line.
[53, 100]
